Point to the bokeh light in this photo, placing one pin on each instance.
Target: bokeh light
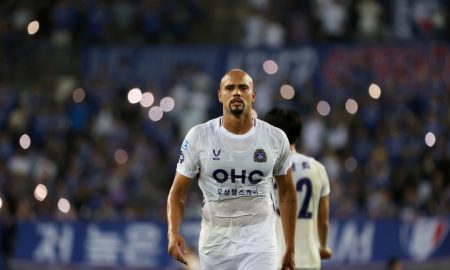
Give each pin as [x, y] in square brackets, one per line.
[155, 113]
[64, 205]
[287, 91]
[134, 95]
[374, 91]
[121, 156]
[147, 99]
[1, 202]
[430, 139]
[351, 106]
[33, 27]
[167, 104]
[270, 67]
[323, 108]
[25, 141]
[78, 95]
[40, 192]
[350, 164]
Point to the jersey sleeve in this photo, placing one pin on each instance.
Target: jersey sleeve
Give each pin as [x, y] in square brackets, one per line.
[188, 163]
[325, 190]
[284, 161]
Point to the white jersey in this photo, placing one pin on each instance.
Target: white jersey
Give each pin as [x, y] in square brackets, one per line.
[311, 182]
[235, 174]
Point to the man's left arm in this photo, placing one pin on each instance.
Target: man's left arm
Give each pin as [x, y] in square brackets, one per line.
[288, 213]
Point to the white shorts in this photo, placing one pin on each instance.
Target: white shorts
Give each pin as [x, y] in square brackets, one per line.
[246, 261]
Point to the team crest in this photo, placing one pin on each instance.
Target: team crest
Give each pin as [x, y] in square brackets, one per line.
[259, 156]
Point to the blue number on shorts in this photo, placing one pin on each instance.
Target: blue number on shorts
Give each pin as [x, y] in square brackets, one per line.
[304, 213]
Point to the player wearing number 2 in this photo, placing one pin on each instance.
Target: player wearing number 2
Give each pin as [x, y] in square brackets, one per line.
[313, 189]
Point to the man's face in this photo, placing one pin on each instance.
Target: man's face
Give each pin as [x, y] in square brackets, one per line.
[236, 92]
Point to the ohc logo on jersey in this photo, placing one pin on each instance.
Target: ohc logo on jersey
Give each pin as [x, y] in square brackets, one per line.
[260, 156]
[221, 176]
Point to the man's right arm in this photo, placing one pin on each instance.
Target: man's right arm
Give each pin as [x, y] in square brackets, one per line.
[175, 210]
[323, 224]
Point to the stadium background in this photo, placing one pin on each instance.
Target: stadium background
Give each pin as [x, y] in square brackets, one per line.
[96, 96]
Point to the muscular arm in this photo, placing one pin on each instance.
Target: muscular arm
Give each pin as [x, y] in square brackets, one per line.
[322, 226]
[288, 208]
[175, 210]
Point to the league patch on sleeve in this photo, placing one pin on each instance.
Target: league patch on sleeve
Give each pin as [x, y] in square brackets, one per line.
[185, 144]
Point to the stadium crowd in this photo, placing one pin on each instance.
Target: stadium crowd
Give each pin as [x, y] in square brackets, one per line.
[92, 147]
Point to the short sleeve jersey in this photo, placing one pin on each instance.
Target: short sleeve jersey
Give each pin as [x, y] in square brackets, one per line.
[312, 183]
[235, 174]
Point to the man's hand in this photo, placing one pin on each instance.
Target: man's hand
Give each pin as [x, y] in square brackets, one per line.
[288, 262]
[177, 247]
[325, 253]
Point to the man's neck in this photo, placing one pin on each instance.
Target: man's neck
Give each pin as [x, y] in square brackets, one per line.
[293, 148]
[237, 124]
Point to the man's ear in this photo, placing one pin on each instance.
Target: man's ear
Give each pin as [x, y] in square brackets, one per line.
[253, 96]
[219, 96]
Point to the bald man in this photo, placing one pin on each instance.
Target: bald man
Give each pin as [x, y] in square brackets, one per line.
[235, 159]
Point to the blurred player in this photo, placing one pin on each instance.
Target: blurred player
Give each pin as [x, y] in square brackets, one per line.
[235, 158]
[313, 189]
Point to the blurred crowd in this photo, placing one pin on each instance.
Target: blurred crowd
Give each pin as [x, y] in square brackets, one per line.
[90, 146]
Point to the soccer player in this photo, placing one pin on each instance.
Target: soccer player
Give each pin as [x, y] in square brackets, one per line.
[235, 158]
[313, 189]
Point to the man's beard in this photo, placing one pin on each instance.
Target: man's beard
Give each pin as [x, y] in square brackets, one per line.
[237, 110]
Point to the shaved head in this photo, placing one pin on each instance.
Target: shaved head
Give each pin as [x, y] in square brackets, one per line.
[236, 92]
[236, 73]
